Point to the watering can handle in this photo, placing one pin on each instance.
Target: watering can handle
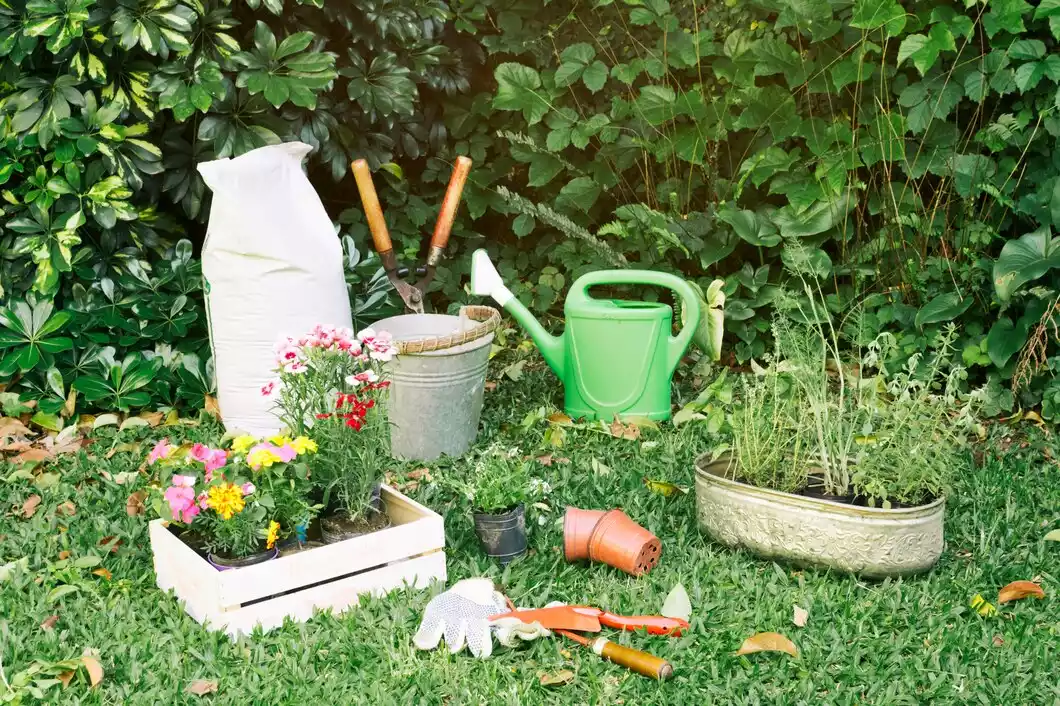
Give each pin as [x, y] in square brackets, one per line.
[689, 301]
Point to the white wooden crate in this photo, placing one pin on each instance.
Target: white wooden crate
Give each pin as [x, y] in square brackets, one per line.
[409, 552]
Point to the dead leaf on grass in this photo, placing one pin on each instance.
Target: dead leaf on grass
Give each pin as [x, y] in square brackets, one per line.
[49, 622]
[423, 474]
[799, 616]
[624, 431]
[1018, 590]
[110, 542]
[30, 506]
[677, 604]
[135, 505]
[563, 676]
[490, 386]
[13, 428]
[66, 509]
[1053, 536]
[600, 468]
[560, 419]
[664, 488]
[65, 678]
[32, 455]
[103, 573]
[768, 642]
[998, 641]
[152, 418]
[64, 555]
[201, 687]
[93, 667]
[18, 445]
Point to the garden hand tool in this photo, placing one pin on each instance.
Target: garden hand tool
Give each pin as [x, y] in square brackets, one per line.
[616, 357]
[461, 616]
[411, 294]
[563, 619]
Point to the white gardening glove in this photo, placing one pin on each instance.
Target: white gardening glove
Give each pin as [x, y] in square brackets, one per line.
[461, 615]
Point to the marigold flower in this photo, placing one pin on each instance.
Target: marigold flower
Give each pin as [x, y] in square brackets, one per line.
[241, 444]
[226, 500]
[273, 534]
[303, 444]
[263, 456]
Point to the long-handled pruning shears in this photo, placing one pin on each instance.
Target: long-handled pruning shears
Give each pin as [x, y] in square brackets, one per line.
[411, 294]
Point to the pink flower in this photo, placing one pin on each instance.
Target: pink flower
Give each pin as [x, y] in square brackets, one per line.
[295, 368]
[365, 335]
[287, 355]
[361, 378]
[270, 389]
[204, 499]
[285, 452]
[248, 488]
[211, 459]
[161, 451]
[181, 498]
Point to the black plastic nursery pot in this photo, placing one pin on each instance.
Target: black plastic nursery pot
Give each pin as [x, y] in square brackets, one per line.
[503, 535]
[338, 527]
[224, 563]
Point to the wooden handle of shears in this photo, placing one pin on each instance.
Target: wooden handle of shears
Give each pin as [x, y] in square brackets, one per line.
[372, 210]
[451, 203]
[635, 660]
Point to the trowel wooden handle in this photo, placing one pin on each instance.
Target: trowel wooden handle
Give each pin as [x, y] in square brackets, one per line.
[640, 662]
[451, 203]
[372, 210]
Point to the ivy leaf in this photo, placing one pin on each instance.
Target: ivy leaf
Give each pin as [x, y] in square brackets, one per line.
[945, 307]
[581, 193]
[875, 14]
[1024, 260]
[518, 88]
[1005, 16]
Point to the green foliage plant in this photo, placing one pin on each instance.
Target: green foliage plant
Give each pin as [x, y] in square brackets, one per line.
[497, 482]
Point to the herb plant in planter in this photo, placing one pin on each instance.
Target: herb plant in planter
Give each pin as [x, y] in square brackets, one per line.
[329, 385]
[499, 487]
[835, 459]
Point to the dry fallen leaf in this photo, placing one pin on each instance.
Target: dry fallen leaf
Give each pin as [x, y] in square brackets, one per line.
[1053, 536]
[563, 676]
[490, 386]
[128, 447]
[19, 445]
[66, 509]
[423, 474]
[49, 622]
[34, 455]
[30, 506]
[211, 406]
[135, 504]
[103, 573]
[110, 542]
[983, 607]
[1018, 590]
[64, 555]
[201, 687]
[767, 642]
[65, 678]
[998, 641]
[677, 604]
[152, 418]
[664, 488]
[12, 428]
[560, 418]
[94, 669]
[619, 430]
[799, 616]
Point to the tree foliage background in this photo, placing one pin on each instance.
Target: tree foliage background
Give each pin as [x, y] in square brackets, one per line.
[904, 153]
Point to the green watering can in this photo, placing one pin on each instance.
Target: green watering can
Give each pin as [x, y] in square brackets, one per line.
[615, 357]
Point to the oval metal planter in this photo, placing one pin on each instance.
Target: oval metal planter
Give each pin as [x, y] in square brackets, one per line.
[872, 542]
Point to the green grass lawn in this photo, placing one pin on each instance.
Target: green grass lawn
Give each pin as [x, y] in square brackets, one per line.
[913, 641]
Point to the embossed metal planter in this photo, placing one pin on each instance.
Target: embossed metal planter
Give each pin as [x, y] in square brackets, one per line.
[872, 542]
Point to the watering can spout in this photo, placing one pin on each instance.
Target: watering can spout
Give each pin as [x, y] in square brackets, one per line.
[486, 282]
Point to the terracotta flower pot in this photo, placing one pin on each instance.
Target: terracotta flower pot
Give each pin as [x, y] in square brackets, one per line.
[620, 542]
[578, 526]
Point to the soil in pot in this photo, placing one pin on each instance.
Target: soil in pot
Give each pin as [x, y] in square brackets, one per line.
[503, 535]
[339, 527]
[293, 546]
[224, 563]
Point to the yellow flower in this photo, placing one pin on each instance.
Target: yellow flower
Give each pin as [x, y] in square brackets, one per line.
[279, 440]
[240, 444]
[262, 457]
[304, 444]
[273, 534]
[225, 499]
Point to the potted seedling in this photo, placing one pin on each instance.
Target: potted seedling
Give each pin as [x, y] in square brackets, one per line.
[499, 486]
[329, 385]
[234, 505]
[837, 459]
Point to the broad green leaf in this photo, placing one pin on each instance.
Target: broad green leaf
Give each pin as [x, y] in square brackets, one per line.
[945, 307]
[1005, 340]
[656, 104]
[518, 88]
[1025, 259]
[755, 229]
[581, 192]
[877, 14]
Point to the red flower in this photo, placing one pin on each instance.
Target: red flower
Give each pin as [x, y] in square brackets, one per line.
[323, 416]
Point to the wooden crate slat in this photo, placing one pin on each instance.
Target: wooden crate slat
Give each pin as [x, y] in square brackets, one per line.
[179, 568]
[337, 595]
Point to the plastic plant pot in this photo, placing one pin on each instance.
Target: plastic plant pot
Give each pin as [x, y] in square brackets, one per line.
[578, 526]
[503, 535]
[620, 542]
[224, 563]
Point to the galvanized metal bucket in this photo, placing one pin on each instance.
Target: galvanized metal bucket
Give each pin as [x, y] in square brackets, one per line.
[437, 380]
